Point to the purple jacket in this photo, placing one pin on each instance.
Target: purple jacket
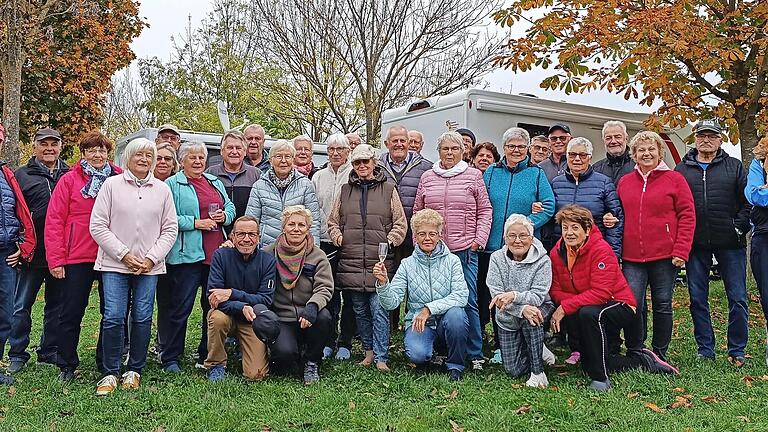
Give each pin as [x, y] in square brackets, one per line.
[463, 202]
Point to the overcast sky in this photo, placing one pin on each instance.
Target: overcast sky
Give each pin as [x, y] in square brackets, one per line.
[169, 17]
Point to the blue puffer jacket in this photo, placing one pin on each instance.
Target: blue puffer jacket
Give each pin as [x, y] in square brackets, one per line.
[595, 192]
[9, 223]
[435, 281]
[406, 181]
[514, 191]
[188, 247]
[266, 204]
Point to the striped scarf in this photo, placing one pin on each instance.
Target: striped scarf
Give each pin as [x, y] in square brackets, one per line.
[290, 260]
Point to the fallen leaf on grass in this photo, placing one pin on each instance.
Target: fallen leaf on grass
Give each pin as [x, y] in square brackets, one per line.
[265, 428]
[681, 402]
[455, 426]
[12, 391]
[748, 380]
[709, 399]
[159, 429]
[632, 395]
[352, 405]
[679, 390]
[523, 409]
[653, 407]
[516, 385]
[453, 394]
[745, 419]
[569, 402]
[764, 378]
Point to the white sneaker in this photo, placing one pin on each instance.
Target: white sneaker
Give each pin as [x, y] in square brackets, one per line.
[477, 364]
[537, 380]
[131, 380]
[548, 356]
[106, 385]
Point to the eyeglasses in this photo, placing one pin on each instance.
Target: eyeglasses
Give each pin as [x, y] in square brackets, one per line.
[169, 137]
[521, 147]
[282, 157]
[708, 136]
[361, 161]
[303, 150]
[559, 138]
[337, 149]
[165, 158]
[516, 237]
[572, 155]
[240, 235]
[96, 150]
[540, 149]
[450, 149]
[425, 234]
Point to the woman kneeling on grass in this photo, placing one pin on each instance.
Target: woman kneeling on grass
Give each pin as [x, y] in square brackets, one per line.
[593, 295]
[519, 277]
[437, 294]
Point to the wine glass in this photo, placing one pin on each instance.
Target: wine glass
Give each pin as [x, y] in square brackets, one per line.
[383, 250]
[213, 208]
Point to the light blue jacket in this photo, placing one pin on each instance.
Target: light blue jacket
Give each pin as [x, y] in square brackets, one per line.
[435, 281]
[189, 243]
[266, 204]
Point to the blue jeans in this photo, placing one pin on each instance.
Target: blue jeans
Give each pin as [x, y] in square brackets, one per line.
[372, 323]
[452, 331]
[77, 285]
[475, 341]
[733, 267]
[758, 257]
[116, 298]
[660, 274]
[8, 276]
[30, 281]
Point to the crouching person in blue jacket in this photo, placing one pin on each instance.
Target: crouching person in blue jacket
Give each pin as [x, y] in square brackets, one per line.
[437, 294]
[240, 287]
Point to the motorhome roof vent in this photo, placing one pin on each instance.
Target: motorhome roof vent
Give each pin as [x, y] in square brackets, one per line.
[531, 95]
[419, 105]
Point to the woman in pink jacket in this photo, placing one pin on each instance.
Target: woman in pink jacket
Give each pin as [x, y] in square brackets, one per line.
[69, 247]
[457, 191]
[134, 224]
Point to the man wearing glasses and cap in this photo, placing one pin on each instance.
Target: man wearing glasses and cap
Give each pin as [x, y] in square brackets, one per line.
[558, 134]
[170, 134]
[722, 222]
[37, 180]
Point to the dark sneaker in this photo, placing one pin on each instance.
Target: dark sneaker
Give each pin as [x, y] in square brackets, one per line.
[454, 375]
[6, 379]
[16, 366]
[311, 373]
[216, 373]
[738, 361]
[702, 357]
[654, 364]
[172, 367]
[601, 386]
[66, 376]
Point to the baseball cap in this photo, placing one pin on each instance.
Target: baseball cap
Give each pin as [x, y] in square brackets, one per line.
[362, 152]
[168, 127]
[47, 133]
[562, 126]
[265, 325]
[468, 133]
[708, 125]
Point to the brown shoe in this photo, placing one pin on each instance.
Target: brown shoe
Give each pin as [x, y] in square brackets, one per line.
[131, 380]
[106, 385]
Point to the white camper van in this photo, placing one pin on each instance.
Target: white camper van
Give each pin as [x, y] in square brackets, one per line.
[488, 114]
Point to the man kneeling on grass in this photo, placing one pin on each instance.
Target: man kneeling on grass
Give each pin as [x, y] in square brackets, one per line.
[437, 294]
[240, 289]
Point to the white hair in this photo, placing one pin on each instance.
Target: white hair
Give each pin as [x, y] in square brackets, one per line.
[516, 133]
[192, 147]
[137, 145]
[304, 138]
[614, 123]
[338, 139]
[257, 127]
[282, 145]
[451, 137]
[580, 141]
[396, 128]
[518, 219]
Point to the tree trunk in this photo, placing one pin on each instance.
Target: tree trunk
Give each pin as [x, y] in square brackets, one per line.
[748, 137]
[10, 69]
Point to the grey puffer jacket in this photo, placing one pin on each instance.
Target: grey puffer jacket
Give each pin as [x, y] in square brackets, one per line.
[529, 278]
[407, 180]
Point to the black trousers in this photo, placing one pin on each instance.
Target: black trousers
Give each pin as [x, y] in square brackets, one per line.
[599, 327]
[341, 313]
[294, 344]
[77, 284]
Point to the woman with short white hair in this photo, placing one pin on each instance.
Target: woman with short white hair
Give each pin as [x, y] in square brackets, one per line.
[282, 186]
[304, 151]
[519, 276]
[134, 224]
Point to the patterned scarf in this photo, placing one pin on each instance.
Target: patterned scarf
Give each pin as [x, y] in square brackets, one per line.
[281, 185]
[96, 178]
[290, 260]
[306, 169]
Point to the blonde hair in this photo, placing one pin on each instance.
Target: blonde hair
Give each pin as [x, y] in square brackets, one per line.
[167, 146]
[426, 217]
[282, 145]
[646, 136]
[296, 210]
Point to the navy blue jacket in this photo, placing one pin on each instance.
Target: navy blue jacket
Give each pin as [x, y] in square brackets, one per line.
[252, 282]
[597, 193]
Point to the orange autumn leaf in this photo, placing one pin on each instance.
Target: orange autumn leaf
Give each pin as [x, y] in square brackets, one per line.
[653, 407]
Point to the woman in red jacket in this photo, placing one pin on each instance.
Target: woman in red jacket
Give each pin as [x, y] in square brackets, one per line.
[69, 247]
[659, 221]
[593, 295]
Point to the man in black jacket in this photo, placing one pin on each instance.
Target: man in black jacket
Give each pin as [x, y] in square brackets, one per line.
[722, 222]
[618, 161]
[37, 180]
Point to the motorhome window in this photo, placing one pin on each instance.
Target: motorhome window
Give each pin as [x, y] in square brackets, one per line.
[533, 129]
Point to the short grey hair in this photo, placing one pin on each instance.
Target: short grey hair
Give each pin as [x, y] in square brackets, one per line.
[282, 145]
[234, 134]
[397, 128]
[255, 126]
[614, 123]
[451, 137]
[518, 219]
[338, 140]
[354, 134]
[137, 145]
[305, 138]
[580, 141]
[515, 133]
[192, 147]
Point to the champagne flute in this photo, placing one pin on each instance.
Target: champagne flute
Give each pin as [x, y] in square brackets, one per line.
[383, 250]
[213, 208]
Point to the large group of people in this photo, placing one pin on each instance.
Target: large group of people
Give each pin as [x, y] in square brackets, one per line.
[294, 261]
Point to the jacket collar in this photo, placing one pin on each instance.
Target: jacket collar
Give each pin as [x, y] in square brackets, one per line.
[585, 175]
[378, 176]
[690, 157]
[440, 251]
[523, 164]
[620, 159]
[182, 179]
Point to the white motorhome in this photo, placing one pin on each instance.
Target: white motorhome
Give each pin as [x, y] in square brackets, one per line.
[488, 114]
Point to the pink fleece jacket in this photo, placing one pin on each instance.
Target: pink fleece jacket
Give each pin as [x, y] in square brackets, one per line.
[128, 218]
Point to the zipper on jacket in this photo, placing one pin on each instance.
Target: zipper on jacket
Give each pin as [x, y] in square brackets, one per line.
[706, 206]
[640, 218]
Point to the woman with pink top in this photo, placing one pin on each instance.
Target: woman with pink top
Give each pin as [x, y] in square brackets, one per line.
[134, 224]
[457, 191]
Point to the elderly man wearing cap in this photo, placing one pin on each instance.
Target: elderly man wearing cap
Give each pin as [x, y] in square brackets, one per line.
[17, 243]
[37, 179]
[469, 143]
[170, 134]
[722, 222]
[235, 301]
[559, 135]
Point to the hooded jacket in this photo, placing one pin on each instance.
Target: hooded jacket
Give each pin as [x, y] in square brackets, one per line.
[25, 231]
[407, 180]
[758, 197]
[530, 279]
[595, 279]
[659, 216]
[434, 281]
[615, 167]
[722, 210]
[37, 185]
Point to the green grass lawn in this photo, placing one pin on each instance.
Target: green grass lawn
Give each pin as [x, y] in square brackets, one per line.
[706, 396]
